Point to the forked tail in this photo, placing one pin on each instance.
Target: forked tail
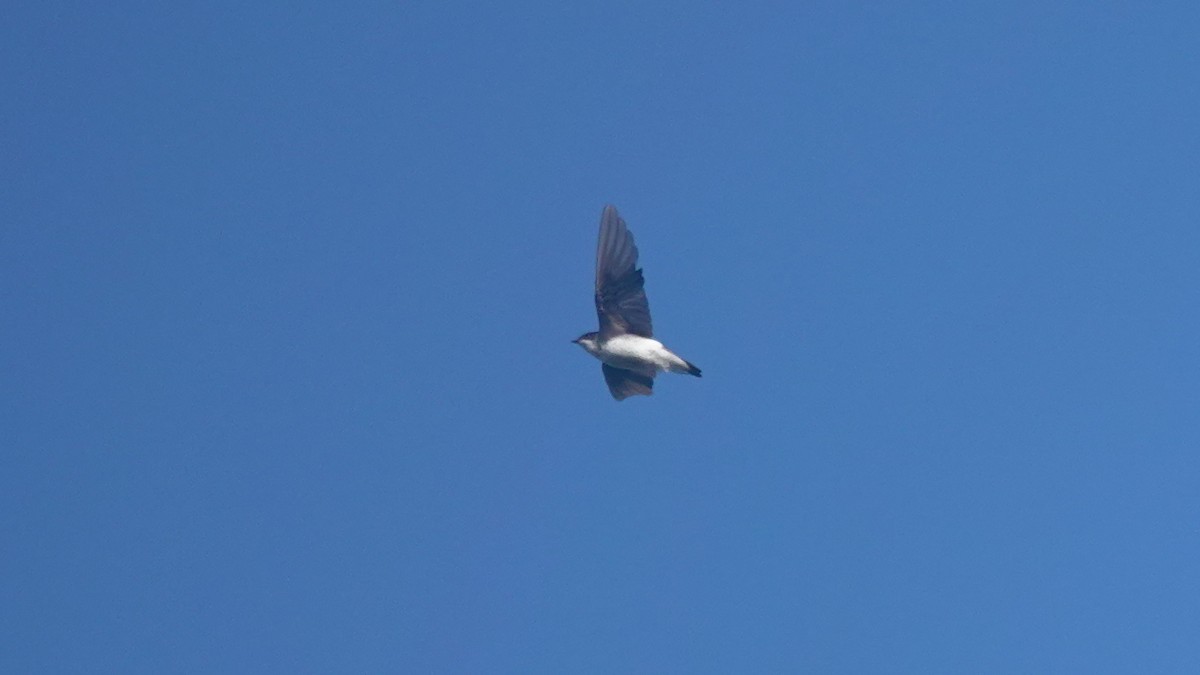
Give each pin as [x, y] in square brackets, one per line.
[692, 369]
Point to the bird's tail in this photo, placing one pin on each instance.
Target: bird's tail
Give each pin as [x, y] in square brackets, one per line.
[692, 369]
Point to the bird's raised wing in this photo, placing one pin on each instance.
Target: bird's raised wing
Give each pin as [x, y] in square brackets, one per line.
[620, 296]
[625, 383]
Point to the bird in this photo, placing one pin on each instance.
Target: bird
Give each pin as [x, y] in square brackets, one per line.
[630, 356]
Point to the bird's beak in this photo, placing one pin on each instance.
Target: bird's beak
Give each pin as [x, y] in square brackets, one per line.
[575, 341]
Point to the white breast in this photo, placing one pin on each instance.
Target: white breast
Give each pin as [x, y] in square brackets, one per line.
[634, 352]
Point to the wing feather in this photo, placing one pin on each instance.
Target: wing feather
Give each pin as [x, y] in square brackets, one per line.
[621, 302]
[625, 383]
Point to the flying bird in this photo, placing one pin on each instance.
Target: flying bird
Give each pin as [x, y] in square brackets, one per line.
[625, 344]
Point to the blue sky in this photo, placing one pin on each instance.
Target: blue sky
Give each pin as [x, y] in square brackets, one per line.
[289, 288]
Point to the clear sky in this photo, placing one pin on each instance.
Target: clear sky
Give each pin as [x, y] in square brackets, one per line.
[288, 292]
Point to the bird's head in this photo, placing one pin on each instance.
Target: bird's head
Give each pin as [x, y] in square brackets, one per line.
[589, 341]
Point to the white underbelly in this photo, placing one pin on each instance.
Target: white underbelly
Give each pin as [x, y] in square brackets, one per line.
[633, 352]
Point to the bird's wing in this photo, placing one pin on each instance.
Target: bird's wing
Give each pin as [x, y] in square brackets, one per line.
[620, 297]
[625, 383]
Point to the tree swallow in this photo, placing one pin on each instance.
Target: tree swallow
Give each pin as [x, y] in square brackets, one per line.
[625, 344]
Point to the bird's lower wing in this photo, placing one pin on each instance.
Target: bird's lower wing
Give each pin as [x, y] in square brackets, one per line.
[625, 383]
